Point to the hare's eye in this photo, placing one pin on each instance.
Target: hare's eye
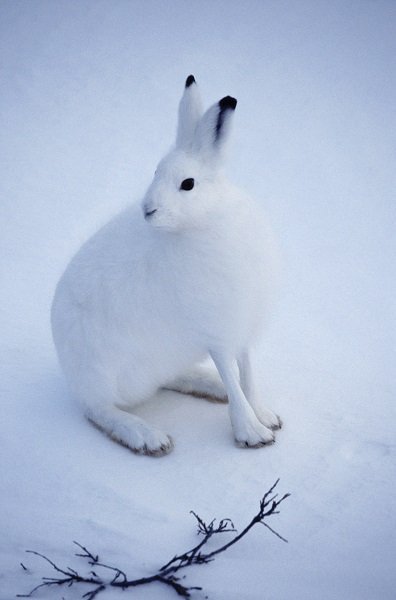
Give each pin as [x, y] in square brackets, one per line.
[187, 184]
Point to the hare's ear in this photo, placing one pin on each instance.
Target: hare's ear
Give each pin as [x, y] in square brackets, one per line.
[213, 128]
[190, 111]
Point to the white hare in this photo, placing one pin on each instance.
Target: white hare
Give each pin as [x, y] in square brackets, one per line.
[184, 276]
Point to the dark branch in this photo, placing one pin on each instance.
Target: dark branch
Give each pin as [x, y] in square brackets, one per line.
[87, 554]
[165, 574]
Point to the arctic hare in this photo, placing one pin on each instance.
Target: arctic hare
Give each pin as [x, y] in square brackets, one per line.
[181, 277]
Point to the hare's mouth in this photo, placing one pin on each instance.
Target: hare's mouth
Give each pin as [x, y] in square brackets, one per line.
[149, 213]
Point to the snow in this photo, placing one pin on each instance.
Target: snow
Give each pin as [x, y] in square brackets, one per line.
[89, 92]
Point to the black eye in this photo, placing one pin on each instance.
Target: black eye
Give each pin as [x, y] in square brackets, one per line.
[187, 184]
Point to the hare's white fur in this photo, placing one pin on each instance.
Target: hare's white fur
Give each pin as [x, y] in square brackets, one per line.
[183, 276]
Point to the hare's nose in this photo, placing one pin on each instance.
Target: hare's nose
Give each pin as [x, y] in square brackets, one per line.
[149, 213]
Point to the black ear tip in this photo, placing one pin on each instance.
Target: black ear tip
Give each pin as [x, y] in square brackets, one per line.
[190, 80]
[228, 102]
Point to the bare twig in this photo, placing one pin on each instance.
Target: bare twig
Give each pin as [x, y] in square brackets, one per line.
[167, 573]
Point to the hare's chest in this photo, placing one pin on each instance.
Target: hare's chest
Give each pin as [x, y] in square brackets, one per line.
[219, 297]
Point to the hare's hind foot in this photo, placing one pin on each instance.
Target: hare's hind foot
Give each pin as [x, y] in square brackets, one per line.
[164, 445]
[200, 382]
[131, 431]
[209, 397]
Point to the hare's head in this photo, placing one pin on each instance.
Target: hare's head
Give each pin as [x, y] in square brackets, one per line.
[188, 181]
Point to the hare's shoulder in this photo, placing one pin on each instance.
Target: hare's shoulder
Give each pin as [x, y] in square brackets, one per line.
[123, 237]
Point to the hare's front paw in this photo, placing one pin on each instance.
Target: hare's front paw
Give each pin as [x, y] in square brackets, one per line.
[253, 434]
[268, 418]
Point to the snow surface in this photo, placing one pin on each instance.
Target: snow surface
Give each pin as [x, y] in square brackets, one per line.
[89, 92]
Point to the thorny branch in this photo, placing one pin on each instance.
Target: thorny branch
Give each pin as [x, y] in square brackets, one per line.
[167, 573]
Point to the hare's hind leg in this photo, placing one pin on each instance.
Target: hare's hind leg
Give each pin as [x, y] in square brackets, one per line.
[264, 415]
[125, 428]
[201, 381]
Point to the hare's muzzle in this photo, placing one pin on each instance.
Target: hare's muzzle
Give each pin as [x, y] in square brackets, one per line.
[149, 213]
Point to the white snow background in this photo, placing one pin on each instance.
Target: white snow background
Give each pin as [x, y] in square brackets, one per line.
[89, 94]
